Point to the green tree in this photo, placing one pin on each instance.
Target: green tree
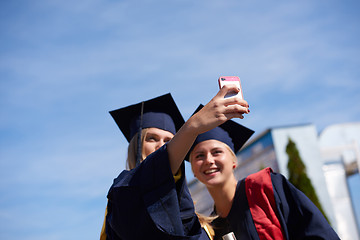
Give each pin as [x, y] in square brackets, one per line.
[298, 176]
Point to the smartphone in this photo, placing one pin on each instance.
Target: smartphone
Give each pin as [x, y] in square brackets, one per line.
[234, 80]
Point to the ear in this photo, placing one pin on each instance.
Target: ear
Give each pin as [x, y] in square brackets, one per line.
[234, 165]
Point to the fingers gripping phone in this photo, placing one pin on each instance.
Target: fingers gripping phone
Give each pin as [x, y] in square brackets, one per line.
[231, 80]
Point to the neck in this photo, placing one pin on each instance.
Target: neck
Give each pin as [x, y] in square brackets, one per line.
[223, 196]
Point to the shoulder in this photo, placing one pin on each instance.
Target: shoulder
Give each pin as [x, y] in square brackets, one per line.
[260, 178]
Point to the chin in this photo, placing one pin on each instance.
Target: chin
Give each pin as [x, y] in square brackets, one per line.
[212, 182]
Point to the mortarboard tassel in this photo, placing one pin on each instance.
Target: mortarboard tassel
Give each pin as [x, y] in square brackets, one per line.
[139, 143]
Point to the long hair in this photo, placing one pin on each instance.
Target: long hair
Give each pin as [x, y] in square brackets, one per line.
[205, 223]
[132, 150]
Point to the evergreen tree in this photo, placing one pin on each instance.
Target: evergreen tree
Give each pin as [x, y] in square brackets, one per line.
[298, 176]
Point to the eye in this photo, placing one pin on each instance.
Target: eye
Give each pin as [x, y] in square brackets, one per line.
[150, 138]
[199, 156]
[167, 140]
[217, 152]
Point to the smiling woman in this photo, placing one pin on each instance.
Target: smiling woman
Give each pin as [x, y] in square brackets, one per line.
[209, 162]
[264, 205]
[63, 63]
[151, 199]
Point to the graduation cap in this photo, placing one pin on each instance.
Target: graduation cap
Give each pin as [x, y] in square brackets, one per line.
[160, 112]
[231, 133]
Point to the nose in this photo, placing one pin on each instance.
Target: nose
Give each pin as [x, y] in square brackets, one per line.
[209, 159]
[159, 144]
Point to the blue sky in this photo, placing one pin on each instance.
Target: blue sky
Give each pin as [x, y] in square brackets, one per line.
[65, 64]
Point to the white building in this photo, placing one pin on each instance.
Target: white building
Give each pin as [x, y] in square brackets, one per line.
[339, 146]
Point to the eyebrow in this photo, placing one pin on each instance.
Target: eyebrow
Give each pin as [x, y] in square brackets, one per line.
[151, 135]
[198, 151]
[217, 148]
[158, 135]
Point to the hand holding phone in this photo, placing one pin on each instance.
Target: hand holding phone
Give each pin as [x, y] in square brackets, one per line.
[234, 80]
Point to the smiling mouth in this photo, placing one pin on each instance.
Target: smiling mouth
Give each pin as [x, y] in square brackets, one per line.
[210, 171]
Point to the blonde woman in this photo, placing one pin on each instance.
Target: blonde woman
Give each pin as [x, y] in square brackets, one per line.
[264, 205]
[151, 200]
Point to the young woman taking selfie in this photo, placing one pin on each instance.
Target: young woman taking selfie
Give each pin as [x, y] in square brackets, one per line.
[152, 199]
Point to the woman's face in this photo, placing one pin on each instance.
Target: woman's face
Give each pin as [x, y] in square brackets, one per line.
[154, 139]
[212, 162]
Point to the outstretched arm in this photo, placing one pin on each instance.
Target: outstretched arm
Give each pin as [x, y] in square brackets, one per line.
[213, 114]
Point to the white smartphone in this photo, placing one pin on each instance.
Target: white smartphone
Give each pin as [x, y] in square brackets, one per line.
[234, 80]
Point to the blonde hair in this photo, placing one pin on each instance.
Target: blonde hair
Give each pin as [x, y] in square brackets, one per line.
[231, 152]
[205, 223]
[132, 150]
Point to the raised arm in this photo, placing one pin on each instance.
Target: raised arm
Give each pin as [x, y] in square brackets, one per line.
[213, 114]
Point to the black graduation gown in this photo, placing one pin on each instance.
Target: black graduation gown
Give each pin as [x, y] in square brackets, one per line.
[146, 203]
[297, 216]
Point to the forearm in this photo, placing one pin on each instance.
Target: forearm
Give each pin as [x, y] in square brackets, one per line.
[179, 146]
[213, 114]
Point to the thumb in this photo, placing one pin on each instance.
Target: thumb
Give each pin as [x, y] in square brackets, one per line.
[227, 88]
